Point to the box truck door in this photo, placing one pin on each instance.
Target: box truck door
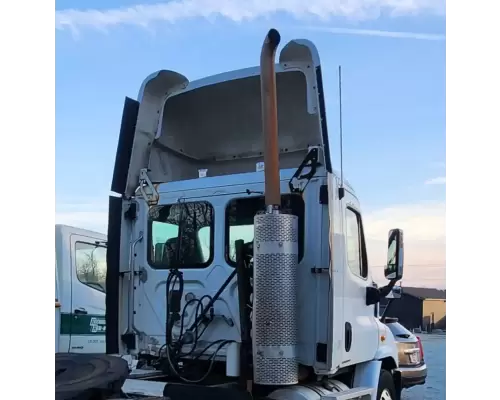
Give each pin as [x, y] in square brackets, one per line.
[88, 284]
[58, 314]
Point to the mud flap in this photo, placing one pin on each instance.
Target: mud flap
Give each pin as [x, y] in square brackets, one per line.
[175, 391]
[83, 376]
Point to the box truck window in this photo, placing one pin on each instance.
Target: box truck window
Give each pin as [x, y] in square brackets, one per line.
[91, 265]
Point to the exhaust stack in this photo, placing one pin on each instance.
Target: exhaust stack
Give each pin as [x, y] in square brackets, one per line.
[275, 279]
[269, 105]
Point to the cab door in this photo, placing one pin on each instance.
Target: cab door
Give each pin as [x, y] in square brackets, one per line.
[64, 317]
[360, 329]
[88, 297]
[203, 265]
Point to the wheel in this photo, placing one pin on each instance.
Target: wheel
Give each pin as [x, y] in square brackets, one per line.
[386, 388]
[81, 376]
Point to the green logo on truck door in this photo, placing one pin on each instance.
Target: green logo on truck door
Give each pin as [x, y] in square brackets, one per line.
[75, 324]
[98, 325]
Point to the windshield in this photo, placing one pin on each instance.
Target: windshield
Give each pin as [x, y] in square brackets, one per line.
[181, 235]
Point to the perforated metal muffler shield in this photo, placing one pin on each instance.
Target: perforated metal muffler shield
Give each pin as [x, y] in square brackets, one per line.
[274, 325]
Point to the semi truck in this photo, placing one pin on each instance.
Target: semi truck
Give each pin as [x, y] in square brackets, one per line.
[236, 256]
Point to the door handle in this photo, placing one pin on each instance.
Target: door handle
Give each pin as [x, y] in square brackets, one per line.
[81, 311]
[348, 337]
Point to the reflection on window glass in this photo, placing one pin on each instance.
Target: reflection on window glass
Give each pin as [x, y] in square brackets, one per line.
[240, 215]
[181, 235]
[353, 242]
[391, 253]
[204, 240]
[242, 232]
[91, 265]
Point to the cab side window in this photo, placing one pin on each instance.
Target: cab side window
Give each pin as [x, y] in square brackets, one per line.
[355, 243]
[90, 261]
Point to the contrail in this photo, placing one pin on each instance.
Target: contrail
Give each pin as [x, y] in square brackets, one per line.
[440, 180]
[371, 32]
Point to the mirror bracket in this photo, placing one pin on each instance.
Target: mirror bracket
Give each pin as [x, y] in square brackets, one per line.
[372, 295]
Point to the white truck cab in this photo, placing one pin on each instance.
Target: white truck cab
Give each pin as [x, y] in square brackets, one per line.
[80, 290]
[235, 251]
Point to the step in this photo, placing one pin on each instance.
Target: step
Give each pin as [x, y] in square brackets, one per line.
[362, 393]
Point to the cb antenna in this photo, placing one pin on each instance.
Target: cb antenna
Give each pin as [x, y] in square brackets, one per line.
[341, 188]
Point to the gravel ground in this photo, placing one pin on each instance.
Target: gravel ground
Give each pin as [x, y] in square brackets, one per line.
[435, 358]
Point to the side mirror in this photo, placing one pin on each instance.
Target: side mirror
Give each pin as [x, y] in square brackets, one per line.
[394, 267]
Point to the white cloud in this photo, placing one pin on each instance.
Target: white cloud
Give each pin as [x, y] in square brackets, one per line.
[422, 221]
[440, 180]
[371, 32]
[240, 10]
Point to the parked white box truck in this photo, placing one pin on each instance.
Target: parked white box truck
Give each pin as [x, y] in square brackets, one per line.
[80, 290]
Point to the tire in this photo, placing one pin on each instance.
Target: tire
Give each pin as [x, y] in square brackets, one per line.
[81, 376]
[386, 388]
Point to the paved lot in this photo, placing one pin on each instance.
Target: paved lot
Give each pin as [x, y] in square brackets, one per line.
[435, 357]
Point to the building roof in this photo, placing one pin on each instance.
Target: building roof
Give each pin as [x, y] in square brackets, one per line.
[425, 293]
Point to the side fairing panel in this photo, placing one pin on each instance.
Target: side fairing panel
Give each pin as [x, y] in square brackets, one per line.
[113, 275]
[125, 145]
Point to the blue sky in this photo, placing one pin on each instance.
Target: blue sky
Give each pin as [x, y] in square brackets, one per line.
[393, 64]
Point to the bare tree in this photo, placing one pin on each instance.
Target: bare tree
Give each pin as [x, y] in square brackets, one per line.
[190, 217]
[88, 267]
